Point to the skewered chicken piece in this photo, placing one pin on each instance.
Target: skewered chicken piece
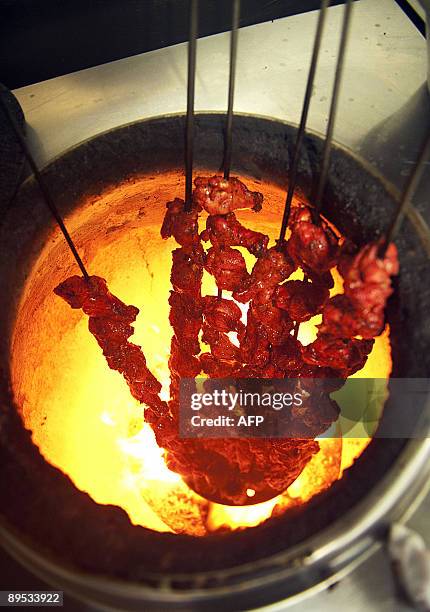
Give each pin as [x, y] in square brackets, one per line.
[223, 315]
[110, 323]
[269, 270]
[226, 230]
[342, 319]
[181, 224]
[182, 364]
[219, 196]
[313, 247]
[347, 355]
[187, 271]
[228, 267]
[254, 343]
[301, 299]
[367, 286]
[367, 281]
[218, 368]
[220, 343]
[186, 317]
[275, 321]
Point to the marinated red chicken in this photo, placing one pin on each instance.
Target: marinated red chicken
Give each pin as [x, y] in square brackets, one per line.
[187, 271]
[223, 315]
[219, 196]
[228, 267]
[181, 224]
[301, 299]
[341, 318]
[226, 230]
[367, 278]
[270, 269]
[367, 286]
[186, 317]
[110, 323]
[347, 355]
[223, 470]
[313, 247]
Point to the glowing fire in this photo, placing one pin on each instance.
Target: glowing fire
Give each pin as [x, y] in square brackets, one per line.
[81, 413]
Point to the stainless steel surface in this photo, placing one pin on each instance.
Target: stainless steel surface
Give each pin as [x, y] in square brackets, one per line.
[383, 109]
[385, 66]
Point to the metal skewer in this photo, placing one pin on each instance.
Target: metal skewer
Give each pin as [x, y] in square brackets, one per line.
[408, 192]
[189, 128]
[331, 121]
[43, 187]
[303, 119]
[226, 164]
[333, 108]
[231, 82]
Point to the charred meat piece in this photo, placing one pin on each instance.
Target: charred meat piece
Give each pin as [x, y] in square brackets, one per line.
[254, 343]
[225, 230]
[181, 224]
[342, 319]
[342, 354]
[223, 315]
[181, 362]
[301, 299]
[313, 247]
[187, 271]
[227, 266]
[220, 343]
[275, 321]
[218, 368]
[186, 319]
[271, 268]
[219, 196]
[367, 280]
[110, 323]
[223, 470]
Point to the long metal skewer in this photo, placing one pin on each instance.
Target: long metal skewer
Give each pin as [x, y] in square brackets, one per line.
[226, 164]
[43, 187]
[408, 192]
[333, 108]
[189, 129]
[303, 119]
[231, 83]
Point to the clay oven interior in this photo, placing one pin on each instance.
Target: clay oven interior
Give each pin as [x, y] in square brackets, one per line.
[128, 166]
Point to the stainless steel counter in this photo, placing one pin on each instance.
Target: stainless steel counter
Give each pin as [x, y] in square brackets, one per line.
[385, 67]
[383, 111]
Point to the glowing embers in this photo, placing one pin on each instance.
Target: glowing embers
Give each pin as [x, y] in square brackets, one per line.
[81, 414]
